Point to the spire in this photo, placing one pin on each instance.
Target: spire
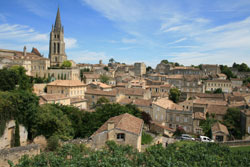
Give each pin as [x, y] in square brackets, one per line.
[58, 20]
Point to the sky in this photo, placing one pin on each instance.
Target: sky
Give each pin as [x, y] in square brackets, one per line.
[190, 32]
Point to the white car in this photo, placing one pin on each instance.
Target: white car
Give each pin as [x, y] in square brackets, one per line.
[206, 139]
[187, 137]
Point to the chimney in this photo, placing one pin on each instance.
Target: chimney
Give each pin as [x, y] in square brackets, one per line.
[24, 51]
[100, 61]
[111, 134]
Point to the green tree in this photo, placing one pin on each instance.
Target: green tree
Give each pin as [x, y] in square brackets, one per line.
[232, 121]
[226, 70]
[149, 68]
[17, 135]
[66, 63]
[175, 95]
[217, 91]
[8, 79]
[50, 121]
[106, 68]
[165, 61]
[179, 131]
[207, 124]
[53, 143]
[146, 117]
[104, 79]
[111, 60]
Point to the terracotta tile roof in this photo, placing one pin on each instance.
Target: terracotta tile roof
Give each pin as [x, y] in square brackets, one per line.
[218, 127]
[206, 101]
[179, 76]
[235, 79]
[209, 95]
[221, 75]
[131, 91]
[217, 109]
[236, 99]
[76, 100]
[100, 92]
[92, 76]
[142, 102]
[185, 68]
[219, 80]
[162, 126]
[101, 85]
[167, 104]
[66, 83]
[125, 122]
[56, 96]
[125, 101]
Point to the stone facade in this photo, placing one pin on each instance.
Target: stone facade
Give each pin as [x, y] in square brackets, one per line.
[212, 85]
[124, 129]
[56, 45]
[140, 69]
[245, 121]
[8, 136]
[14, 154]
[70, 88]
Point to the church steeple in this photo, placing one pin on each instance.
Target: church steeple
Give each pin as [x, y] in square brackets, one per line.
[58, 24]
[57, 46]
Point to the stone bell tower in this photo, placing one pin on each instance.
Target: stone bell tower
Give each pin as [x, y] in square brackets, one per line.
[56, 45]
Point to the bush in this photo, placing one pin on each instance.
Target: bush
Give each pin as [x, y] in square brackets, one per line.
[146, 138]
[53, 143]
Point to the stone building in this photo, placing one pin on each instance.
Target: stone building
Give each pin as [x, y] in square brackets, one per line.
[140, 69]
[212, 85]
[173, 115]
[33, 62]
[236, 82]
[56, 98]
[124, 129]
[141, 104]
[220, 132]
[70, 88]
[245, 121]
[210, 69]
[56, 45]
[7, 138]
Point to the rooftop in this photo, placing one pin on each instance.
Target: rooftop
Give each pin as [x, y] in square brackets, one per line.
[218, 127]
[167, 104]
[66, 83]
[125, 122]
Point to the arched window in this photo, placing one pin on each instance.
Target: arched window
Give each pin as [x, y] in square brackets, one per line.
[54, 48]
[58, 48]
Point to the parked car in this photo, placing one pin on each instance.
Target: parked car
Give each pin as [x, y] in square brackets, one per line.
[205, 139]
[187, 137]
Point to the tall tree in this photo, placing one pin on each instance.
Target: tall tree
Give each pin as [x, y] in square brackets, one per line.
[17, 135]
[175, 95]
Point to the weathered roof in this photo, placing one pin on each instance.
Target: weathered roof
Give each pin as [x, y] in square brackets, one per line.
[125, 122]
[100, 92]
[92, 76]
[219, 80]
[101, 85]
[217, 109]
[218, 127]
[162, 126]
[76, 100]
[138, 102]
[66, 83]
[56, 96]
[167, 104]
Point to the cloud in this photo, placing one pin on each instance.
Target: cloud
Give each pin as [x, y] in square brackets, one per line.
[70, 43]
[128, 41]
[2, 18]
[117, 10]
[84, 56]
[177, 41]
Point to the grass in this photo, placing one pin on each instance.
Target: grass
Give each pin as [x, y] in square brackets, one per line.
[240, 148]
[146, 138]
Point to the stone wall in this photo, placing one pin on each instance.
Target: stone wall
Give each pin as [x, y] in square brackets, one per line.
[236, 143]
[14, 154]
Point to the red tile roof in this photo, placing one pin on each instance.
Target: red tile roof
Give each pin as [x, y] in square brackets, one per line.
[66, 83]
[125, 122]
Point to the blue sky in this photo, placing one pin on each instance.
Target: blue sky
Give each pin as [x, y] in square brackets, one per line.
[185, 31]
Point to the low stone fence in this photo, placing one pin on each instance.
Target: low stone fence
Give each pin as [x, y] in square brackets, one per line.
[236, 143]
[14, 154]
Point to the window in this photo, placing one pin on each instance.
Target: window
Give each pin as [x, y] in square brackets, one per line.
[177, 119]
[248, 129]
[120, 136]
[185, 119]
